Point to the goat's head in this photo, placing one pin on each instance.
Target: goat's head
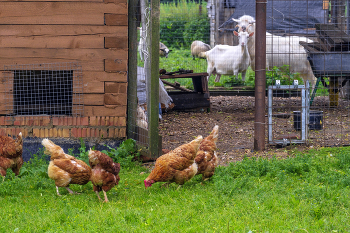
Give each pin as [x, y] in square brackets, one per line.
[244, 22]
[243, 37]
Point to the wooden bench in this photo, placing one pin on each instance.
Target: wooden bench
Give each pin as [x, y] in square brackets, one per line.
[185, 99]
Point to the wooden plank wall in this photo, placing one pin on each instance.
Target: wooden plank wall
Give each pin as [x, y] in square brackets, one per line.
[93, 33]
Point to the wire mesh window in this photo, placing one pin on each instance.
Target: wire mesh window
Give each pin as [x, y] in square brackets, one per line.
[44, 89]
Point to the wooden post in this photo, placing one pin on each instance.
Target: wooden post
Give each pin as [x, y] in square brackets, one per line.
[132, 70]
[260, 76]
[153, 85]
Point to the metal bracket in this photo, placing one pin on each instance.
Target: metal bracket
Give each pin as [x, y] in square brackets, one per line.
[278, 84]
[295, 84]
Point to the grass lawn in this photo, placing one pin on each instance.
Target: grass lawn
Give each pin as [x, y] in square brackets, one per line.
[308, 192]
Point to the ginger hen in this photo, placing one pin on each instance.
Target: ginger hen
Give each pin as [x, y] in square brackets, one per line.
[11, 154]
[206, 158]
[65, 169]
[176, 166]
[104, 172]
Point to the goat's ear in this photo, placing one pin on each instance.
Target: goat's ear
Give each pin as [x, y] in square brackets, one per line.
[170, 50]
[236, 33]
[251, 34]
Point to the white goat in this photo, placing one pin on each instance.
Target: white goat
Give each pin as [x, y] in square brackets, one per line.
[163, 50]
[280, 51]
[197, 47]
[229, 60]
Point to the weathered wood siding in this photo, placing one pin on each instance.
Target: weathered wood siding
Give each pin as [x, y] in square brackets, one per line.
[93, 33]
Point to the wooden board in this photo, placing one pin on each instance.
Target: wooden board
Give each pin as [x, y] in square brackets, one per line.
[105, 111]
[61, 30]
[77, 54]
[116, 65]
[105, 76]
[93, 99]
[59, 12]
[88, 65]
[93, 87]
[116, 42]
[116, 19]
[188, 101]
[67, 42]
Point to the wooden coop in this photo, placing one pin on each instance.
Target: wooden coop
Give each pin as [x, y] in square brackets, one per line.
[64, 68]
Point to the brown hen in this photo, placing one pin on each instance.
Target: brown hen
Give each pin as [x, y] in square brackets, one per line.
[104, 172]
[176, 166]
[11, 154]
[206, 158]
[65, 169]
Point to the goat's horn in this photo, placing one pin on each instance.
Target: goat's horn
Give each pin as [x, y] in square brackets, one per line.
[236, 20]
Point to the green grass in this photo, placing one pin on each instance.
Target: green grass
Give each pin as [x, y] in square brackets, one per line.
[307, 192]
[187, 9]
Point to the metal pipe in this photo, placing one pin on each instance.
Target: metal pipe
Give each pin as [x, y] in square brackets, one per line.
[260, 75]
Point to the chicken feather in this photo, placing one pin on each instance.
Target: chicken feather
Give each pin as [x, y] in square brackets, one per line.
[206, 158]
[11, 154]
[105, 172]
[176, 166]
[65, 169]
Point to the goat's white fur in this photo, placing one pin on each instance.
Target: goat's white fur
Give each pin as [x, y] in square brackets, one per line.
[198, 47]
[229, 60]
[280, 51]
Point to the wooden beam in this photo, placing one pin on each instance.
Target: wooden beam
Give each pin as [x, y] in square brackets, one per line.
[93, 87]
[116, 65]
[176, 86]
[116, 19]
[116, 42]
[61, 30]
[105, 111]
[105, 76]
[93, 99]
[64, 42]
[63, 54]
[91, 13]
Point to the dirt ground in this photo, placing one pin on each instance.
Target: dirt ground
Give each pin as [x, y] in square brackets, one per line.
[235, 117]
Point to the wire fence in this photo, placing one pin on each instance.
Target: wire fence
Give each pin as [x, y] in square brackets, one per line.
[306, 41]
[44, 89]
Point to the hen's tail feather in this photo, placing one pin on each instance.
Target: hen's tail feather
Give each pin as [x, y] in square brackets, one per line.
[196, 142]
[55, 151]
[19, 138]
[215, 133]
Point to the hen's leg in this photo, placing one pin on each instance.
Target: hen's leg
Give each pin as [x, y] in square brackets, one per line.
[106, 199]
[179, 187]
[57, 191]
[165, 185]
[70, 191]
[98, 195]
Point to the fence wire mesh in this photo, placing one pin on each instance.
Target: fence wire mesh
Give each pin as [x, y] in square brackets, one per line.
[306, 40]
[44, 89]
